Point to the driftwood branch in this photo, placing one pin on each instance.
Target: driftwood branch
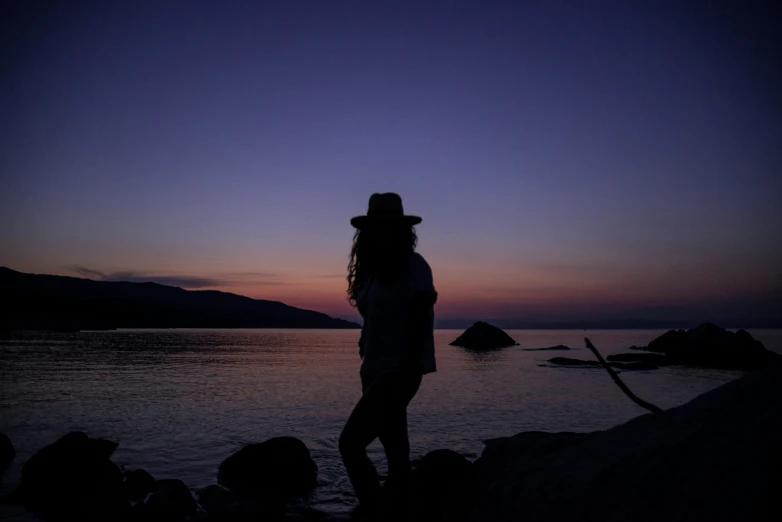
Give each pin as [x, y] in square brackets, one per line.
[640, 402]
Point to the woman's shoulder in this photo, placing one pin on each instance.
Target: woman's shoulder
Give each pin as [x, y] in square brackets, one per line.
[418, 261]
[420, 278]
[419, 266]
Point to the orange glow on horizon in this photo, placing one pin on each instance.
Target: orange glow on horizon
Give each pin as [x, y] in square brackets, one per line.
[498, 289]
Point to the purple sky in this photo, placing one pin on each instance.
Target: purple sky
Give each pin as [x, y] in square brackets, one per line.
[567, 161]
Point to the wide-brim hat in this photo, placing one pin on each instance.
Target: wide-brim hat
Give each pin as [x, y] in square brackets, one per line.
[385, 207]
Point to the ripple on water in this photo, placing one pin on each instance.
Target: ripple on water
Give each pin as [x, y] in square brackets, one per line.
[181, 401]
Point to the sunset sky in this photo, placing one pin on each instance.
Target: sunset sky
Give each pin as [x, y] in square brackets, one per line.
[567, 161]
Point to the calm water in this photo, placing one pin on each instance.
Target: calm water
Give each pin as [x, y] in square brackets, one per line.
[180, 401]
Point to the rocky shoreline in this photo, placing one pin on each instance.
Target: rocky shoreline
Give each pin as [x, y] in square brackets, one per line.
[716, 457]
[74, 478]
[707, 346]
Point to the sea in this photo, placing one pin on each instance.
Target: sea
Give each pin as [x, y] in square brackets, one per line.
[178, 402]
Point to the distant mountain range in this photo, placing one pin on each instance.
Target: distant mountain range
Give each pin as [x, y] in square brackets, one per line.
[33, 301]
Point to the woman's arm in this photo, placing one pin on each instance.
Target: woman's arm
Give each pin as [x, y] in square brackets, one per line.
[419, 327]
[422, 297]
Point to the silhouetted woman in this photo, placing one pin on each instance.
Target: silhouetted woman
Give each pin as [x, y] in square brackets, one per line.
[392, 287]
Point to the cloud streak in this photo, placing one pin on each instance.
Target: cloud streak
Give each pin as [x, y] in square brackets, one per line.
[87, 272]
[181, 280]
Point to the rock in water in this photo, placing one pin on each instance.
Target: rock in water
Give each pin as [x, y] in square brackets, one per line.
[568, 362]
[651, 358]
[73, 479]
[281, 464]
[711, 346]
[717, 457]
[557, 348]
[171, 500]
[7, 452]
[483, 336]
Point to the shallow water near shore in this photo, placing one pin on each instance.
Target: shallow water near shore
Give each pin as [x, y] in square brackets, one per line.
[181, 401]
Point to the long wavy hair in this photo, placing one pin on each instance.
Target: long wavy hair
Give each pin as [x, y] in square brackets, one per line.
[364, 261]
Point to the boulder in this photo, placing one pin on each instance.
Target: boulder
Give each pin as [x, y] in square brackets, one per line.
[714, 347]
[281, 464]
[557, 348]
[139, 484]
[7, 452]
[440, 469]
[218, 502]
[171, 500]
[483, 336]
[443, 485]
[224, 505]
[717, 457]
[669, 341]
[72, 479]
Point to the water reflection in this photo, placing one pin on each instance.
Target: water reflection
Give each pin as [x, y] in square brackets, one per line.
[180, 401]
[484, 360]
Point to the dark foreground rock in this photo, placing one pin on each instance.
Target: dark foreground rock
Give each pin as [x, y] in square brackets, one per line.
[72, 479]
[440, 469]
[139, 484]
[443, 486]
[717, 457]
[557, 348]
[219, 503]
[281, 464]
[483, 336]
[226, 506]
[711, 346]
[7, 452]
[171, 500]
[580, 363]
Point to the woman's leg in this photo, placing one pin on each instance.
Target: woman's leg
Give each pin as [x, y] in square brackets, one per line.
[393, 433]
[361, 428]
[381, 412]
